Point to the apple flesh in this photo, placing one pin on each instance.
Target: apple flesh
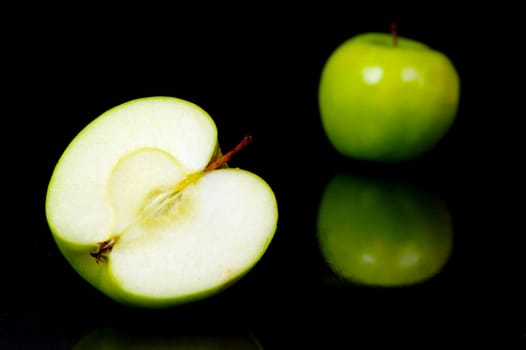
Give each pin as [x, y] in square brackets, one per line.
[387, 100]
[383, 232]
[137, 209]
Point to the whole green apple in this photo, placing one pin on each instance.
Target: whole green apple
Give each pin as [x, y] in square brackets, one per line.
[383, 232]
[144, 207]
[387, 98]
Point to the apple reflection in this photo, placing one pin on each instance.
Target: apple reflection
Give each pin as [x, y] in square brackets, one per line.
[116, 338]
[383, 232]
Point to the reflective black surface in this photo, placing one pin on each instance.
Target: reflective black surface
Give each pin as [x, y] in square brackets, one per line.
[256, 70]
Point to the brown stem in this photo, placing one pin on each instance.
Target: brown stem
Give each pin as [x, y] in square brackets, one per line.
[394, 33]
[215, 164]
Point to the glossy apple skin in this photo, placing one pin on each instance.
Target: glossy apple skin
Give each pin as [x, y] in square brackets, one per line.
[384, 103]
[383, 233]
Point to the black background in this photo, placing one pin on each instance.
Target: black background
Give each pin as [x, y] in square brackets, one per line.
[255, 69]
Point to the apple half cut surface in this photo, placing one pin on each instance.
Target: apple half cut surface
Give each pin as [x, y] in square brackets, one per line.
[143, 206]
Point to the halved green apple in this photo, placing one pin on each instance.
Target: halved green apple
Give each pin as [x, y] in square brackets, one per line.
[142, 205]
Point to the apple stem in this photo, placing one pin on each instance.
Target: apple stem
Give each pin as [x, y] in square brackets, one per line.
[215, 164]
[394, 33]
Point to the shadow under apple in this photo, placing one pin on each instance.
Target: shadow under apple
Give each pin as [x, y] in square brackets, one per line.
[383, 233]
[132, 338]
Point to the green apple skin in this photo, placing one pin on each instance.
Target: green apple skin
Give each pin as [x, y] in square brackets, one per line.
[386, 103]
[383, 233]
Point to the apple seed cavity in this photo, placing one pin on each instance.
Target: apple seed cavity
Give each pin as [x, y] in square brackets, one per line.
[161, 204]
